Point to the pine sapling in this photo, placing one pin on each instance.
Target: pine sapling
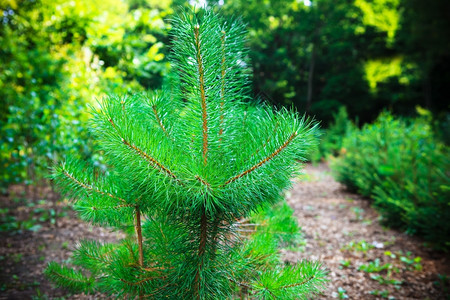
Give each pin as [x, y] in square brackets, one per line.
[185, 166]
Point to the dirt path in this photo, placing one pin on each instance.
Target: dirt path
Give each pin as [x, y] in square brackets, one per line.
[24, 254]
[341, 230]
[344, 232]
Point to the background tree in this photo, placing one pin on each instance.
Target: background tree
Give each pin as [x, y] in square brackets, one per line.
[330, 53]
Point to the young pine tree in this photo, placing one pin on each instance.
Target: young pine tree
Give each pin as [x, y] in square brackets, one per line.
[186, 166]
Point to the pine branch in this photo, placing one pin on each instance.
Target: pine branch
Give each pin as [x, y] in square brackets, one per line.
[113, 207]
[155, 291]
[159, 121]
[69, 278]
[305, 278]
[131, 251]
[262, 162]
[297, 284]
[266, 142]
[98, 212]
[156, 164]
[133, 283]
[202, 181]
[222, 91]
[139, 236]
[91, 188]
[151, 160]
[93, 255]
[202, 92]
[242, 284]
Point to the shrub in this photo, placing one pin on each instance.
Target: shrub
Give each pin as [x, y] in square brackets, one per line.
[405, 169]
[332, 137]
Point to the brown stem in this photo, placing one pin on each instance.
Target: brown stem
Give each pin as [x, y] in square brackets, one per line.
[201, 249]
[243, 292]
[267, 141]
[156, 164]
[139, 236]
[204, 182]
[112, 207]
[159, 121]
[214, 236]
[298, 283]
[262, 162]
[139, 239]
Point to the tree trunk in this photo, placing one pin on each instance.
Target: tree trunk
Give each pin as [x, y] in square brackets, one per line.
[310, 78]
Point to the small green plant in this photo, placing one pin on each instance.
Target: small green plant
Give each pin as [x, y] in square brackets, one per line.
[412, 262]
[382, 294]
[345, 263]
[332, 138]
[40, 296]
[342, 293]
[375, 266]
[37, 215]
[385, 280]
[65, 245]
[359, 212]
[390, 254]
[443, 282]
[17, 257]
[12, 225]
[188, 166]
[407, 259]
[361, 246]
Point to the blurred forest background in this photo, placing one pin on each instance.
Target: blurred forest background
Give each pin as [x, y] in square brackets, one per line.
[344, 62]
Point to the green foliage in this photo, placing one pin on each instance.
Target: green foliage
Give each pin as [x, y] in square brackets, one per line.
[288, 282]
[342, 293]
[364, 55]
[32, 93]
[332, 137]
[73, 280]
[32, 217]
[56, 57]
[338, 129]
[185, 166]
[443, 281]
[345, 264]
[375, 266]
[404, 168]
[410, 261]
[384, 280]
[383, 294]
[361, 246]
[279, 223]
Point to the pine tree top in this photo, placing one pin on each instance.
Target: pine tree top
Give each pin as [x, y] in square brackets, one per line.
[201, 135]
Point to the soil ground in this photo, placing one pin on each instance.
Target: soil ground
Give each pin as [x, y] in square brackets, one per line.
[340, 229]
